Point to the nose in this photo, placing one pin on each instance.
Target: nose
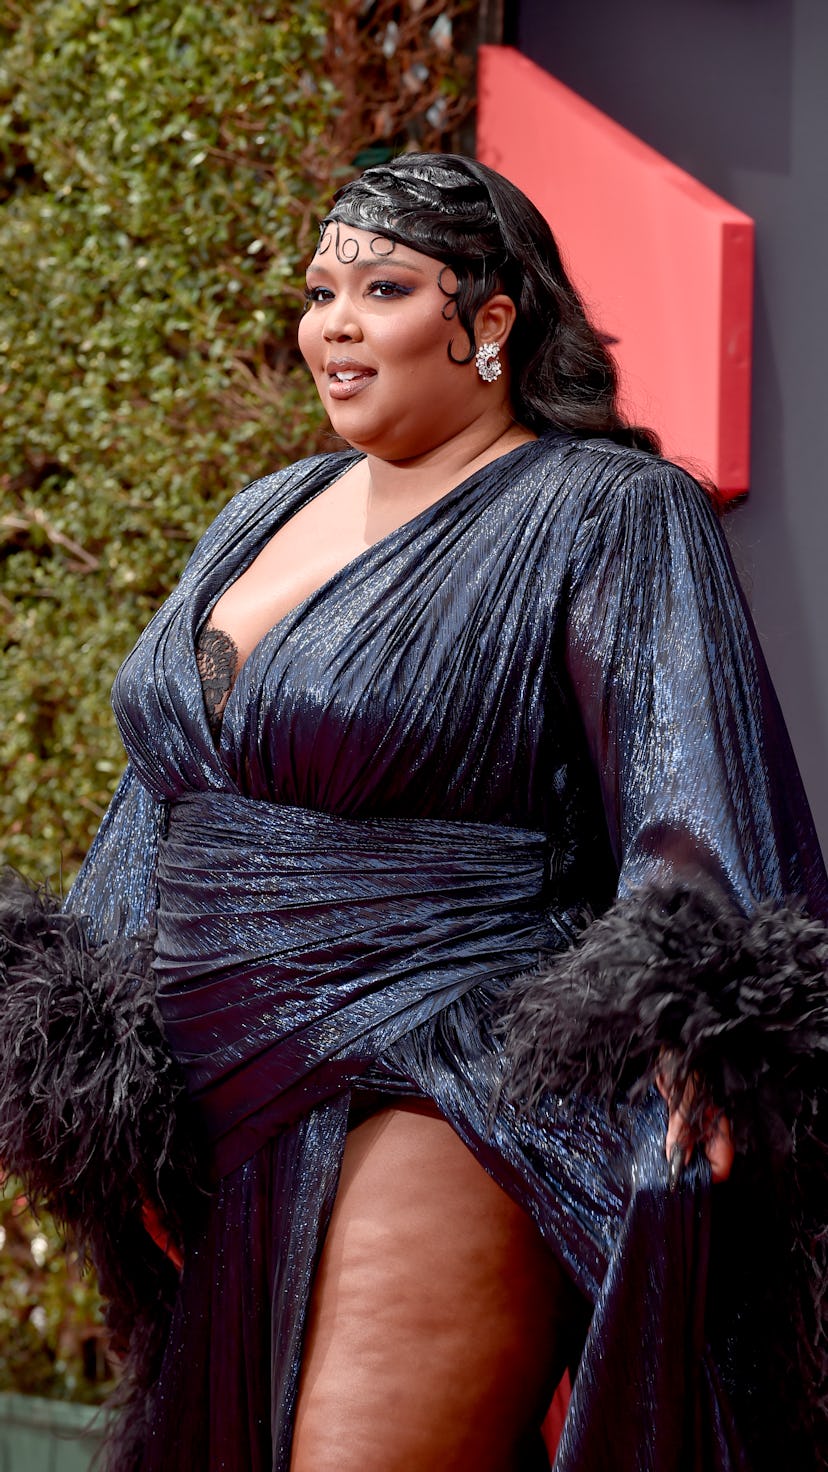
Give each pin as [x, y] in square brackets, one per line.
[341, 320]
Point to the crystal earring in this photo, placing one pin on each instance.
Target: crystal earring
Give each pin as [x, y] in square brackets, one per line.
[487, 361]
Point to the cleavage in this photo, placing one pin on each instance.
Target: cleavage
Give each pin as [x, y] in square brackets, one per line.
[316, 543]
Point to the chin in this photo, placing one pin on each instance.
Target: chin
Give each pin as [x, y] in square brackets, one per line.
[362, 439]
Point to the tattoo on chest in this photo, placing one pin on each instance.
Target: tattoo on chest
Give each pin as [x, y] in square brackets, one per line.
[217, 657]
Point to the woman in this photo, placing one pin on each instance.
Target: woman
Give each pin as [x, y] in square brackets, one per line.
[415, 712]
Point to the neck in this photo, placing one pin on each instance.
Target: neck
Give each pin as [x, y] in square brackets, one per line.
[414, 484]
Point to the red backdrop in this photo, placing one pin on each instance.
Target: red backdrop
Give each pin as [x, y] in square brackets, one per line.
[665, 265]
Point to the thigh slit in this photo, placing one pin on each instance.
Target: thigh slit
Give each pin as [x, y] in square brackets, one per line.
[440, 1322]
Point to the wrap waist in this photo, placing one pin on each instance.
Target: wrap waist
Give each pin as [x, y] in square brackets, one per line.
[294, 946]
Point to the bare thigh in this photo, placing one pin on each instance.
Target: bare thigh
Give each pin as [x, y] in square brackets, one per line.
[439, 1322]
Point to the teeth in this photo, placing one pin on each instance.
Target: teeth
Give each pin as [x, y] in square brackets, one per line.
[347, 377]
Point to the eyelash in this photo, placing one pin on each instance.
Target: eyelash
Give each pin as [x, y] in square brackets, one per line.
[314, 294]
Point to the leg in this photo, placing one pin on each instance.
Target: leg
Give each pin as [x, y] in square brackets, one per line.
[439, 1322]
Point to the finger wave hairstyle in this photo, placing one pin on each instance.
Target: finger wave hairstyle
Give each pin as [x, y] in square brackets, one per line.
[466, 215]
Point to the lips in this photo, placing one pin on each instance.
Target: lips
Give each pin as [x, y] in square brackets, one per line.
[347, 377]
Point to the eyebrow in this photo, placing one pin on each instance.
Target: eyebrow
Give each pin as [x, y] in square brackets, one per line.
[367, 263]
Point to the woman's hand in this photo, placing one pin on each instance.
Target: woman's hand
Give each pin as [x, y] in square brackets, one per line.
[715, 1134]
[159, 1234]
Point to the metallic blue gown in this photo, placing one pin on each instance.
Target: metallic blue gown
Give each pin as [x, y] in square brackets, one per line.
[540, 693]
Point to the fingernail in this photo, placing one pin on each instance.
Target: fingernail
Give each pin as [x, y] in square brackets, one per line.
[676, 1166]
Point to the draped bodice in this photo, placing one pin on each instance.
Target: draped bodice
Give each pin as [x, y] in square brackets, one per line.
[419, 681]
[527, 667]
[558, 643]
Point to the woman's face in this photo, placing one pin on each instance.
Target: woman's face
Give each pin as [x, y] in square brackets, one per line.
[375, 337]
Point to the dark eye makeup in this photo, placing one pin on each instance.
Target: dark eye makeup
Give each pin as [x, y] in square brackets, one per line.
[316, 294]
[389, 288]
[380, 288]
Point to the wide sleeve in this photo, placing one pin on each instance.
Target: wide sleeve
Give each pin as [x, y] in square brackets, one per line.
[94, 1119]
[714, 952]
[684, 729]
[115, 887]
[708, 966]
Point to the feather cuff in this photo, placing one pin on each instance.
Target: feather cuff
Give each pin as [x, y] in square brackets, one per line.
[678, 981]
[94, 1118]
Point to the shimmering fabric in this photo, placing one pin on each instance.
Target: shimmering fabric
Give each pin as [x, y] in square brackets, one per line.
[539, 692]
[353, 930]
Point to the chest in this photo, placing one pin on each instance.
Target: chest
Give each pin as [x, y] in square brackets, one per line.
[304, 554]
[418, 678]
[318, 542]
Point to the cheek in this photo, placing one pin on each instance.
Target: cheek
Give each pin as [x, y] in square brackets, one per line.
[308, 339]
[417, 347]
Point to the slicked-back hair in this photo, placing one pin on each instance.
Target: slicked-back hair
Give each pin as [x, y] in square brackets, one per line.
[493, 239]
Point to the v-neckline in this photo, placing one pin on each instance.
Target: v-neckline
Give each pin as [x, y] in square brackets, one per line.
[351, 458]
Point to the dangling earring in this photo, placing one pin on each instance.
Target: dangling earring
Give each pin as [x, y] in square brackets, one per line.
[487, 361]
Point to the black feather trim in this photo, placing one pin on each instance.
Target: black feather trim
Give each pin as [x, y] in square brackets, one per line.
[680, 983]
[94, 1120]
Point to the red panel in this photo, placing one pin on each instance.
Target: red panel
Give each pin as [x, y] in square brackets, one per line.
[665, 265]
[556, 1415]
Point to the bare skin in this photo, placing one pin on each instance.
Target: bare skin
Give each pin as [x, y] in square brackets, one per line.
[323, 537]
[424, 423]
[718, 1139]
[440, 1323]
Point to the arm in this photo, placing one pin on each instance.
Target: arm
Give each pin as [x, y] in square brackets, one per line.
[92, 1110]
[705, 966]
[115, 886]
[695, 765]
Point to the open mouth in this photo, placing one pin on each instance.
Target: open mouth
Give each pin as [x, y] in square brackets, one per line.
[347, 379]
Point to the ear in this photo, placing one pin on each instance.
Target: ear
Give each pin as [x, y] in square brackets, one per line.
[495, 319]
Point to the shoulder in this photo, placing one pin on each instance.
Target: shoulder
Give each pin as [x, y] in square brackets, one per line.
[615, 473]
[639, 516]
[265, 495]
[620, 489]
[287, 478]
[593, 496]
[600, 476]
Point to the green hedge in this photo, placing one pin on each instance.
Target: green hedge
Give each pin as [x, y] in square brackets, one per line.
[162, 167]
[163, 164]
[52, 1338]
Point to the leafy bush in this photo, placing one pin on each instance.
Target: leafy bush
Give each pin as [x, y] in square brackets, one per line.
[52, 1339]
[162, 166]
[161, 162]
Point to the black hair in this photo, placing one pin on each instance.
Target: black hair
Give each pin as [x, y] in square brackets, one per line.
[466, 215]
